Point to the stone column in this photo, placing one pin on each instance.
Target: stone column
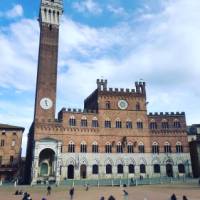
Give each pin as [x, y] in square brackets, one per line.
[89, 171]
[162, 170]
[175, 171]
[114, 171]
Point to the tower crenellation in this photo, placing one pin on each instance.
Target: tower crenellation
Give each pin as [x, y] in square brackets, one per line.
[102, 84]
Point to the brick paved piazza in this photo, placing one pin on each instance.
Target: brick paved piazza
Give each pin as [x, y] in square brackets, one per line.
[158, 192]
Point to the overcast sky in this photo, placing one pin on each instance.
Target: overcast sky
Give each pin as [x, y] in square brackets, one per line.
[123, 41]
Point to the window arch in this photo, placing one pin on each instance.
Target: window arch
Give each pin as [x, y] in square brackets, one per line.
[13, 143]
[165, 124]
[181, 168]
[95, 147]
[139, 124]
[177, 123]
[83, 147]
[141, 147]
[83, 121]
[155, 148]
[179, 147]
[167, 147]
[95, 123]
[156, 168]
[108, 147]
[120, 169]
[153, 124]
[130, 147]
[137, 107]
[71, 147]
[119, 147]
[118, 123]
[107, 123]
[108, 169]
[72, 121]
[129, 123]
[95, 169]
[108, 105]
[142, 169]
[131, 169]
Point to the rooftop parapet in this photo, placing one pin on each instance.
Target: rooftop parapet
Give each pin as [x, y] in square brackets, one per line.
[167, 114]
[75, 110]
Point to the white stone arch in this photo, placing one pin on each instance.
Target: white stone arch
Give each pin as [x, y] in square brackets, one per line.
[168, 160]
[152, 120]
[130, 143]
[71, 161]
[108, 161]
[142, 161]
[119, 143]
[119, 161]
[107, 119]
[72, 117]
[167, 143]
[164, 120]
[118, 119]
[178, 143]
[94, 143]
[139, 120]
[140, 143]
[71, 142]
[156, 160]
[176, 120]
[108, 143]
[179, 160]
[46, 143]
[130, 161]
[83, 161]
[95, 162]
[95, 118]
[83, 142]
[83, 117]
[128, 120]
[155, 143]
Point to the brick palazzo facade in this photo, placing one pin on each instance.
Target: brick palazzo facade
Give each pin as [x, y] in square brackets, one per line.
[112, 137]
[10, 151]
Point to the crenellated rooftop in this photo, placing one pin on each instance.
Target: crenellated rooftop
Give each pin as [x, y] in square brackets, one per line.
[167, 114]
[75, 110]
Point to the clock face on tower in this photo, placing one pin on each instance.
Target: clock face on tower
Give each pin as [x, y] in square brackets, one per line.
[46, 103]
[122, 104]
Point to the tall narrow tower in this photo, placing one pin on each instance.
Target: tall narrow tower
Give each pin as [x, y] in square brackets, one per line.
[45, 98]
[49, 19]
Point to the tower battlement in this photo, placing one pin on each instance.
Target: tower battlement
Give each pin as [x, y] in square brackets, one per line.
[167, 114]
[139, 88]
[78, 110]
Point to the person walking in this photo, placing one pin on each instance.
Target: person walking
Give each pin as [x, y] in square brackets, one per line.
[125, 195]
[173, 197]
[102, 198]
[111, 197]
[184, 197]
[49, 190]
[71, 193]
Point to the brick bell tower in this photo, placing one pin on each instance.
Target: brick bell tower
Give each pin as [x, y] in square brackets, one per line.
[49, 20]
[45, 98]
